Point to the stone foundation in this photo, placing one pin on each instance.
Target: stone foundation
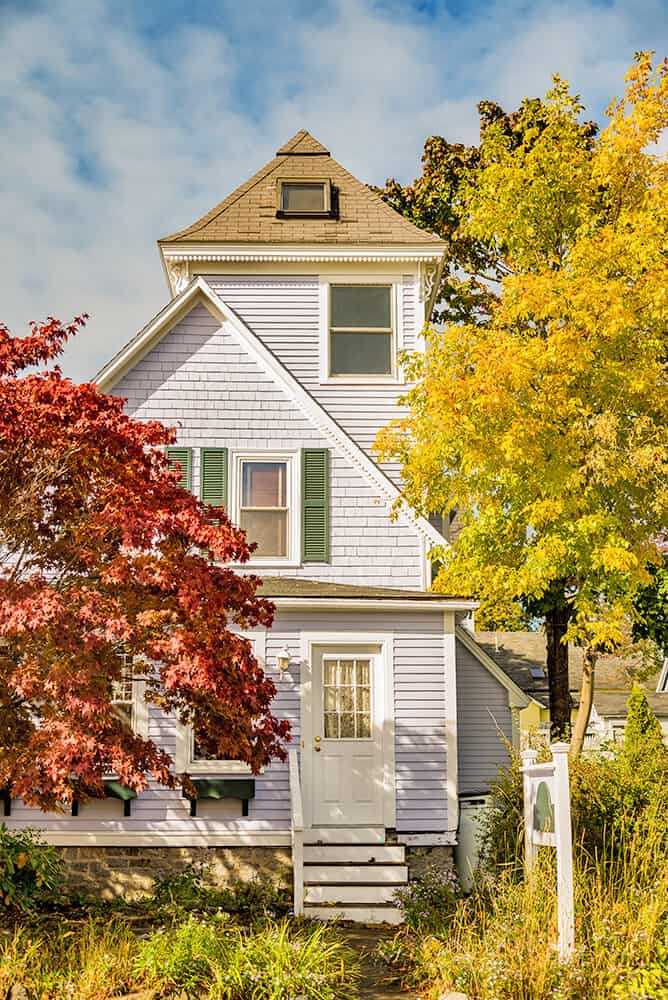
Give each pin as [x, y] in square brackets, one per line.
[131, 872]
[421, 859]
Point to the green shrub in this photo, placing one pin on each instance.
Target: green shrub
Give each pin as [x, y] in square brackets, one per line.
[281, 962]
[191, 891]
[275, 961]
[430, 899]
[181, 958]
[31, 872]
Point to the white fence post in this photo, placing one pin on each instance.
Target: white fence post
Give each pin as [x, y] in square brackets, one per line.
[297, 832]
[562, 829]
[528, 758]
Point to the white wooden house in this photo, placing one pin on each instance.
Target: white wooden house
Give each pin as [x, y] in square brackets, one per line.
[276, 358]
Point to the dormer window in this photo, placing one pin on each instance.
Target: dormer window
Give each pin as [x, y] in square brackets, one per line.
[304, 198]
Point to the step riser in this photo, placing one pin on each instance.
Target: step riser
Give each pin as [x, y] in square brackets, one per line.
[356, 855]
[346, 835]
[358, 914]
[371, 894]
[341, 874]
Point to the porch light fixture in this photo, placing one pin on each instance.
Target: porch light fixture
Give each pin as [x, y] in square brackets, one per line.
[284, 659]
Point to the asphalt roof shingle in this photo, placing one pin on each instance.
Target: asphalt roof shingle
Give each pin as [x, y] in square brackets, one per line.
[248, 214]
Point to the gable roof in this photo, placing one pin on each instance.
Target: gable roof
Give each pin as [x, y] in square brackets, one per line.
[517, 653]
[248, 215]
[199, 291]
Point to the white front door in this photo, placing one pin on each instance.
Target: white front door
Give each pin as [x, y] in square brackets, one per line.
[347, 768]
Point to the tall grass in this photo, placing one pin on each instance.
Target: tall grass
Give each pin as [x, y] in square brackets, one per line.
[89, 963]
[207, 957]
[500, 943]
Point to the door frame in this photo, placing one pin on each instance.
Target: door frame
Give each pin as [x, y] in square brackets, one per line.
[345, 640]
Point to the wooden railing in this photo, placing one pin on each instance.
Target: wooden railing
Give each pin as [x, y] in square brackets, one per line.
[297, 832]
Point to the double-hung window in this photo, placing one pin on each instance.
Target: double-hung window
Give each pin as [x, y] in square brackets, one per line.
[127, 695]
[361, 330]
[192, 756]
[267, 505]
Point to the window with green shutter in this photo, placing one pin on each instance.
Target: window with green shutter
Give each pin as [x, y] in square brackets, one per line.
[213, 476]
[181, 457]
[315, 505]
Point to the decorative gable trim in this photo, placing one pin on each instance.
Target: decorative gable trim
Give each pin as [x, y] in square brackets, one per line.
[199, 291]
[517, 698]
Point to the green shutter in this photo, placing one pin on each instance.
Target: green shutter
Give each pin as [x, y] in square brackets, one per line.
[182, 456]
[315, 505]
[213, 476]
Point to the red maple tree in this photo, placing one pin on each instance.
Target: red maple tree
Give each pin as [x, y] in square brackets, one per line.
[102, 552]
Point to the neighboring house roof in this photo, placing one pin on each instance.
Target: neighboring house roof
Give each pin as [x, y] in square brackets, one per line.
[523, 656]
[248, 215]
[199, 291]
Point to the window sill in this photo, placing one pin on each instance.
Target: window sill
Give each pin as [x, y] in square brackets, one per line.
[219, 767]
[360, 380]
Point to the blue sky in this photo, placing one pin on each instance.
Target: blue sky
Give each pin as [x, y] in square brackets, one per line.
[123, 121]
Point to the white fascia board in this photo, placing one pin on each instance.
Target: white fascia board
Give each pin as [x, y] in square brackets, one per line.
[369, 604]
[200, 291]
[254, 252]
[662, 685]
[518, 698]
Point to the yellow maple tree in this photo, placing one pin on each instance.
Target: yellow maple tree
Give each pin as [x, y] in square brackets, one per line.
[545, 422]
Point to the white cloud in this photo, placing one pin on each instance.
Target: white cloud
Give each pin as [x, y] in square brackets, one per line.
[113, 136]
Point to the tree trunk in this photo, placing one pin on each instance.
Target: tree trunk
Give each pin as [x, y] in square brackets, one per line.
[556, 624]
[586, 700]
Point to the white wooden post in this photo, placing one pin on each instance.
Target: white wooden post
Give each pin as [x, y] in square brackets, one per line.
[297, 832]
[562, 829]
[528, 758]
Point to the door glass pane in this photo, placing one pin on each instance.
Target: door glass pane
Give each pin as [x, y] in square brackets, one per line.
[347, 698]
[331, 727]
[363, 726]
[269, 528]
[303, 197]
[361, 354]
[347, 725]
[362, 306]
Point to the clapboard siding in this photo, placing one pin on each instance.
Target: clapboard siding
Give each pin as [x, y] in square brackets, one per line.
[284, 313]
[201, 380]
[419, 750]
[483, 718]
[419, 722]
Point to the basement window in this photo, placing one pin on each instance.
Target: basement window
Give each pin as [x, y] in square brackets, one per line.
[304, 198]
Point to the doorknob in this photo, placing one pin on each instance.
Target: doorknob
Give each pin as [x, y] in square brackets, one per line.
[317, 748]
[317, 739]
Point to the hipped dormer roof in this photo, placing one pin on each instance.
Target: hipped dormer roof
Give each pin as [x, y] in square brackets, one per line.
[248, 215]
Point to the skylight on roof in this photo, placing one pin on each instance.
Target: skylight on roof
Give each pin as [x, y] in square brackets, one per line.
[537, 673]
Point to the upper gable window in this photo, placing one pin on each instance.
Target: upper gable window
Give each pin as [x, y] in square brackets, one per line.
[361, 330]
[304, 198]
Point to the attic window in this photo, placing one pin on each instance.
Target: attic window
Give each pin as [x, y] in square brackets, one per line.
[304, 198]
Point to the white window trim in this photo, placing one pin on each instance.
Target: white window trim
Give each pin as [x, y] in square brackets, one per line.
[292, 458]
[397, 302]
[184, 759]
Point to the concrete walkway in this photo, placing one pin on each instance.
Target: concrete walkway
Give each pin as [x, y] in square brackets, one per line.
[373, 985]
